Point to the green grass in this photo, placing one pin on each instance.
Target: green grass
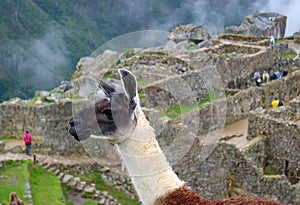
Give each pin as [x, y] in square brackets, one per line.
[142, 81]
[4, 138]
[107, 75]
[289, 55]
[65, 190]
[13, 178]
[270, 170]
[192, 47]
[102, 186]
[90, 202]
[45, 187]
[278, 41]
[177, 110]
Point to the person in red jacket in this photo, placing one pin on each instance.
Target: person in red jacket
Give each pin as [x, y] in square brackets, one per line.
[27, 139]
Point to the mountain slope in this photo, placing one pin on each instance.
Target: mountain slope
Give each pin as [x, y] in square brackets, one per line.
[41, 40]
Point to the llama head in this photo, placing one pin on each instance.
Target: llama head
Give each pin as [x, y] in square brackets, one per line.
[113, 115]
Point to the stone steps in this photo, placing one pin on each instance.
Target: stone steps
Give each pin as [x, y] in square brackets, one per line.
[82, 187]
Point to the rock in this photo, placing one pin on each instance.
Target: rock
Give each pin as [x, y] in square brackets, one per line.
[297, 37]
[105, 60]
[232, 29]
[80, 186]
[73, 182]
[170, 45]
[17, 149]
[191, 32]
[66, 178]
[183, 45]
[205, 44]
[89, 189]
[2, 147]
[266, 24]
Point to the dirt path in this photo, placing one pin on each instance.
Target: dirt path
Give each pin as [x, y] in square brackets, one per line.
[11, 143]
[238, 129]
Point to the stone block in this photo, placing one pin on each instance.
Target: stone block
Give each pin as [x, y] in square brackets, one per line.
[89, 189]
[2, 147]
[66, 178]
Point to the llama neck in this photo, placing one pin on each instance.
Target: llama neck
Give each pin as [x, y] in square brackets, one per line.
[151, 174]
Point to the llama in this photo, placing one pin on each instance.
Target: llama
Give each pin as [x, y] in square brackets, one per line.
[119, 118]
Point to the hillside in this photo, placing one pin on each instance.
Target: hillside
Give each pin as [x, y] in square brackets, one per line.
[41, 40]
[40, 43]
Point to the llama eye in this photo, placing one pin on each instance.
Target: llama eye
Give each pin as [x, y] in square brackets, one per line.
[107, 113]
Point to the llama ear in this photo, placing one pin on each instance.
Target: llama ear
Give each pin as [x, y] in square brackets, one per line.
[107, 89]
[129, 83]
[130, 87]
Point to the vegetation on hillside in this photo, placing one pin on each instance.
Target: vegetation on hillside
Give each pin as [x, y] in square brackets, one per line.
[41, 40]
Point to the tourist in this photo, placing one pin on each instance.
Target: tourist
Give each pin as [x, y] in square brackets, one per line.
[278, 75]
[280, 103]
[257, 78]
[265, 77]
[275, 103]
[285, 72]
[28, 140]
[272, 40]
[14, 199]
[273, 76]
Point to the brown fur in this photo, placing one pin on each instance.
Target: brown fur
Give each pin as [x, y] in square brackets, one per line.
[185, 196]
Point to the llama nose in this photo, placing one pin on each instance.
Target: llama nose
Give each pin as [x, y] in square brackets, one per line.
[73, 132]
[71, 122]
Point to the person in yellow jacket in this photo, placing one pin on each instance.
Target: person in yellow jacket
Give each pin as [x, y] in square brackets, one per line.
[275, 103]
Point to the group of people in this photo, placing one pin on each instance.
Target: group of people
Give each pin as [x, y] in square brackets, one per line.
[265, 77]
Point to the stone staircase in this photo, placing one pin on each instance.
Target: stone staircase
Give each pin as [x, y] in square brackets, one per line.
[52, 164]
[82, 188]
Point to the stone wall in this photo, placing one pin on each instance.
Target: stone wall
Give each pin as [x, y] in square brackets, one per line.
[282, 141]
[295, 108]
[48, 124]
[213, 177]
[247, 39]
[195, 84]
[214, 115]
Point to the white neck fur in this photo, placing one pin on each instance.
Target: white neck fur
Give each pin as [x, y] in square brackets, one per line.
[151, 174]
